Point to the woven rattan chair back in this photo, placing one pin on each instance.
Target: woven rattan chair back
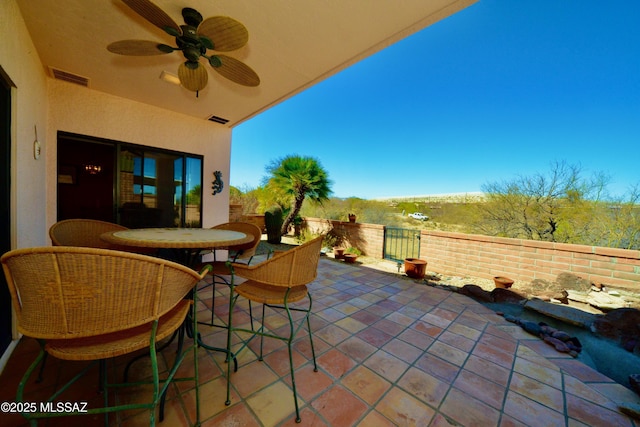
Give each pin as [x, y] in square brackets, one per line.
[82, 232]
[295, 267]
[55, 293]
[245, 250]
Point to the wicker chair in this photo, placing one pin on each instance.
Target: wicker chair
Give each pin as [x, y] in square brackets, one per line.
[141, 300]
[220, 270]
[82, 232]
[277, 283]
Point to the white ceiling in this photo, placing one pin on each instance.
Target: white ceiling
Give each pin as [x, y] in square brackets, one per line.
[293, 44]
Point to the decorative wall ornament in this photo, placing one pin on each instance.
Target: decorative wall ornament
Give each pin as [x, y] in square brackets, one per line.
[217, 185]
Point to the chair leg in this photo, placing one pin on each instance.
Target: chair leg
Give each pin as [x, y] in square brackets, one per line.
[261, 330]
[313, 351]
[41, 371]
[291, 369]
[178, 353]
[230, 355]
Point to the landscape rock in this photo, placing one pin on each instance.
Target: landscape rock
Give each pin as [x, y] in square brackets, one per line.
[573, 282]
[476, 292]
[561, 312]
[560, 340]
[634, 381]
[507, 295]
[605, 301]
[631, 409]
[621, 325]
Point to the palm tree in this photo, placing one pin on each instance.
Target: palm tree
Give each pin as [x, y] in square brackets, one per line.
[296, 178]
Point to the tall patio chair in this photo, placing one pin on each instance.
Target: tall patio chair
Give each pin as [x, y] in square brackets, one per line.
[278, 283]
[243, 252]
[140, 301]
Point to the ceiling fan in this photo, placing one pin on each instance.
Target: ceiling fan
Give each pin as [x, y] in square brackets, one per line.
[194, 40]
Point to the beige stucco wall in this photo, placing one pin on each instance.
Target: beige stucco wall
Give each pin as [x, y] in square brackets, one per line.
[76, 109]
[19, 60]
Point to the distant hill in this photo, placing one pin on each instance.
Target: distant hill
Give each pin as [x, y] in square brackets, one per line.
[476, 196]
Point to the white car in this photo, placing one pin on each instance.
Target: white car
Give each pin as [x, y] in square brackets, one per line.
[419, 215]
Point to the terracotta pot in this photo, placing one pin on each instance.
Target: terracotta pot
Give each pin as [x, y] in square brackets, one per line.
[503, 282]
[338, 253]
[350, 258]
[352, 218]
[415, 267]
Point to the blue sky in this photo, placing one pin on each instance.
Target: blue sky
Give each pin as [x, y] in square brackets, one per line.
[501, 89]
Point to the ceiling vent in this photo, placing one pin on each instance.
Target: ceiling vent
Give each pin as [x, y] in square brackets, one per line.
[218, 120]
[69, 77]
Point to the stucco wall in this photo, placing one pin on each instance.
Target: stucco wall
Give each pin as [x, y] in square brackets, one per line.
[20, 62]
[76, 109]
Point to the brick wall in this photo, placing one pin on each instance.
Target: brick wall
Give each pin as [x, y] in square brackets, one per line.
[369, 238]
[256, 219]
[484, 256]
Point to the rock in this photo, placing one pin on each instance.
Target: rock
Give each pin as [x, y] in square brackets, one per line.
[621, 325]
[572, 281]
[475, 291]
[561, 335]
[507, 295]
[631, 409]
[578, 296]
[562, 312]
[531, 327]
[605, 301]
[559, 345]
[634, 381]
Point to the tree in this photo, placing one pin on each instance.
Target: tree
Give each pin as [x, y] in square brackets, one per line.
[295, 178]
[556, 207]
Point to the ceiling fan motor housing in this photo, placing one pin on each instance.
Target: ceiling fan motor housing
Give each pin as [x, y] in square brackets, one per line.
[191, 16]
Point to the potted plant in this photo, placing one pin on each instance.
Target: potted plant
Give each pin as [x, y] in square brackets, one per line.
[351, 254]
[415, 267]
[503, 282]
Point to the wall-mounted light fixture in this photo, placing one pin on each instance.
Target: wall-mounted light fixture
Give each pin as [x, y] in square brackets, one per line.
[217, 185]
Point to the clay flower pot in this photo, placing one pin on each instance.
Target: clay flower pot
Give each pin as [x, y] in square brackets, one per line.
[503, 282]
[352, 218]
[338, 253]
[415, 267]
[350, 258]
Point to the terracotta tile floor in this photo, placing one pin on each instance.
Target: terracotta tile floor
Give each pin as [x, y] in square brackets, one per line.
[390, 351]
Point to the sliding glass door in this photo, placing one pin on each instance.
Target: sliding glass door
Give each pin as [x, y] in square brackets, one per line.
[151, 188]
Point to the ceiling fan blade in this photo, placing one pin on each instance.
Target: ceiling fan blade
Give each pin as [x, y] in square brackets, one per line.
[225, 33]
[193, 79]
[152, 13]
[135, 48]
[237, 71]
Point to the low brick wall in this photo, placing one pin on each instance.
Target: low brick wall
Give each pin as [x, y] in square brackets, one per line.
[255, 219]
[484, 256]
[369, 238]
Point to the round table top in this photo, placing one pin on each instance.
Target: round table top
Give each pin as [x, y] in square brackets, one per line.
[194, 238]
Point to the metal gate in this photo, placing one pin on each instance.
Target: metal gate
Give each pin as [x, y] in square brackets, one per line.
[401, 243]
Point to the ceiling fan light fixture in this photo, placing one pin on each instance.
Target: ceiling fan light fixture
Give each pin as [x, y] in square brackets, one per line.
[169, 78]
[193, 79]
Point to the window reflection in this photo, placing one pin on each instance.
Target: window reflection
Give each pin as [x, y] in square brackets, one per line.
[137, 186]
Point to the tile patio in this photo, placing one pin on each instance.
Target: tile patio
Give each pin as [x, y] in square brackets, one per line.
[390, 351]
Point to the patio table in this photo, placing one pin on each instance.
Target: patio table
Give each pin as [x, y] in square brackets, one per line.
[189, 242]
